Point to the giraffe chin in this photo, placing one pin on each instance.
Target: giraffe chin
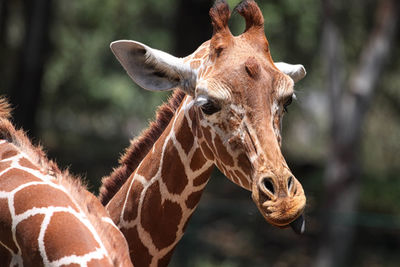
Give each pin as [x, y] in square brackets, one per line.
[299, 225]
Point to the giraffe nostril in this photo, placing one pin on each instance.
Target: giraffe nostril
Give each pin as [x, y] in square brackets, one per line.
[290, 183]
[268, 185]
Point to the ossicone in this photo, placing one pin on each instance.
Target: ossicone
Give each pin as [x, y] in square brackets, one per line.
[252, 14]
[220, 15]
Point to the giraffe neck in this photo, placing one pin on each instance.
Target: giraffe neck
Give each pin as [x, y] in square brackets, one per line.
[153, 206]
[47, 219]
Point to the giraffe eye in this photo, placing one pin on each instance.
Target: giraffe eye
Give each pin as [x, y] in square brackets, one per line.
[210, 107]
[287, 103]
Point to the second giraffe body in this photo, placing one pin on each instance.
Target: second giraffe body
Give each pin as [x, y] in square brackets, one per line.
[47, 217]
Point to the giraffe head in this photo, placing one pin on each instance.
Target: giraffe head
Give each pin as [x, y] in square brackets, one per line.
[238, 97]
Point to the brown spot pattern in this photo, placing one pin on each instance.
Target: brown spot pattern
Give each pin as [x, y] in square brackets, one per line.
[69, 227]
[114, 206]
[197, 160]
[200, 73]
[39, 196]
[202, 178]
[207, 136]
[97, 262]
[195, 64]
[193, 199]
[131, 207]
[27, 233]
[150, 169]
[5, 256]
[14, 178]
[185, 136]
[221, 167]
[173, 166]
[9, 154]
[166, 259]
[233, 177]
[5, 225]
[196, 129]
[5, 165]
[160, 220]
[140, 255]
[207, 151]
[243, 179]
[224, 156]
[207, 71]
[200, 53]
[27, 164]
[243, 162]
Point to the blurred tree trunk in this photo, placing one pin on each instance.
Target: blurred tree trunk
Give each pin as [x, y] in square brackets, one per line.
[25, 91]
[3, 19]
[349, 102]
[193, 25]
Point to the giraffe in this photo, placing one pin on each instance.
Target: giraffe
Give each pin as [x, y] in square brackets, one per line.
[226, 111]
[47, 217]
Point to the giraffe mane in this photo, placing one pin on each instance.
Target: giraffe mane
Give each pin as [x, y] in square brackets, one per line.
[5, 109]
[139, 148]
[77, 189]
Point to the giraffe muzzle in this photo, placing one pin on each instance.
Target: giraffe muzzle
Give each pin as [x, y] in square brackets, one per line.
[281, 204]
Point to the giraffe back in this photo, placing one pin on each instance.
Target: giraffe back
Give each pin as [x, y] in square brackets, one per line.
[47, 217]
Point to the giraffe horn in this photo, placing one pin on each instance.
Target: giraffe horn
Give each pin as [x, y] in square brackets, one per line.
[252, 14]
[222, 36]
[220, 15]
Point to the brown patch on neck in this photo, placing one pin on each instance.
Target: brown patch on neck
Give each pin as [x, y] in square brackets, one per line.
[163, 229]
[185, 136]
[139, 148]
[140, 254]
[173, 167]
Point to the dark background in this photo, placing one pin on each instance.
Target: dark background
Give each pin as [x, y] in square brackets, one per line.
[341, 137]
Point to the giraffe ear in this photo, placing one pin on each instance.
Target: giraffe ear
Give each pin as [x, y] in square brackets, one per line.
[153, 69]
[296, 72]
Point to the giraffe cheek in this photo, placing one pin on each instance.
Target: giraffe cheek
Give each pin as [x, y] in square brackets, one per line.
[225, 157]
